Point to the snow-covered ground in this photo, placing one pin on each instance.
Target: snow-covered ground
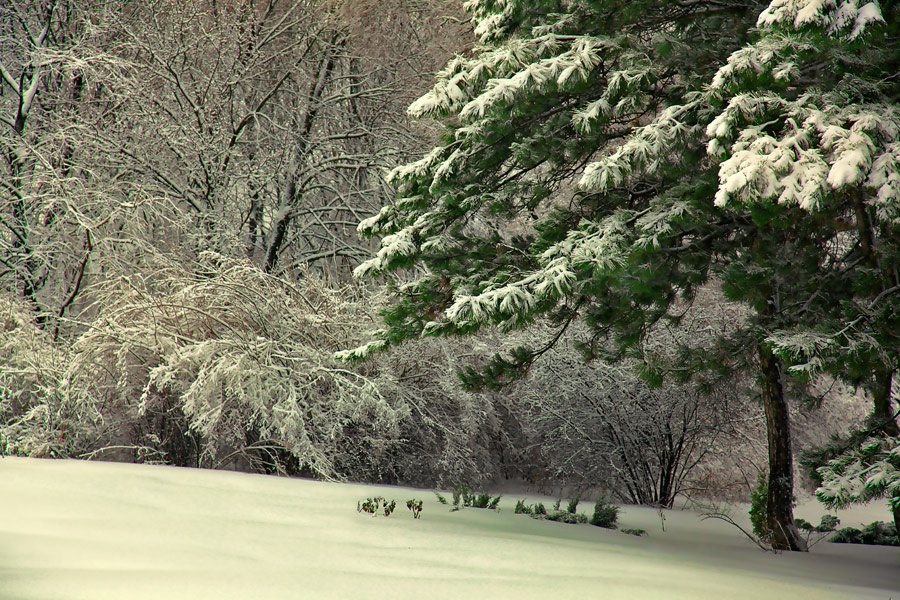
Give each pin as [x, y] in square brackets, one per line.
[79, 530]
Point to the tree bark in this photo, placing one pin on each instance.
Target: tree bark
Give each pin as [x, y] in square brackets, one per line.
[882, 410]
[780, 499]
[895, 510]
[882, 413]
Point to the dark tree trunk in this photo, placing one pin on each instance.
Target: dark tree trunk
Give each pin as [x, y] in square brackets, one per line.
[896, 512]
[780, 500]
[882, 410]
[882, 417]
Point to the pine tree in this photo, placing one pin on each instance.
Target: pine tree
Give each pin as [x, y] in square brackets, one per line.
[822, 79]
[702, 148]
[805, 118]
[491, 215]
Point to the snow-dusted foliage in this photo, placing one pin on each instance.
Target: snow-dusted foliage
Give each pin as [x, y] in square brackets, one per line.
[837, 17]
[867, 473]
[770, 147]
[492, 213]
[825, 145]
[39, 415]
[804, 117]
[214, 362]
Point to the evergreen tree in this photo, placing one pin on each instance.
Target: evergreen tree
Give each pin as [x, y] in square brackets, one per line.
[701, 152]
[492, 215]
[805, 118]
[825, 137]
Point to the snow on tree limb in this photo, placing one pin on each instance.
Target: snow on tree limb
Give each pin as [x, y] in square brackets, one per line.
[833, 16]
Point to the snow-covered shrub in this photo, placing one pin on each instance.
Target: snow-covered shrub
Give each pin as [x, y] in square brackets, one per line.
[215, 363]
[463, 497]
[38, 416]
[562, 516]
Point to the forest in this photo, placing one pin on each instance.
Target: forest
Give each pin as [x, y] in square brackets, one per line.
[644, 250]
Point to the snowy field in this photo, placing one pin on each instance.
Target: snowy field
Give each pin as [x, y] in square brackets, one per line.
[94, 531]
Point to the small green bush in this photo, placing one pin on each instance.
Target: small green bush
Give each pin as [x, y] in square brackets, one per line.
[758, 503]
[804, 525]
[876, 533]
[479, 501]
[828, 523]
[415, 506]
[563, 516]
[605, 515]
[637, 532]
[462, 498]
[458, 493]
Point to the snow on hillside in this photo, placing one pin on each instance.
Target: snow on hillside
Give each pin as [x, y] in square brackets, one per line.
[74, 530]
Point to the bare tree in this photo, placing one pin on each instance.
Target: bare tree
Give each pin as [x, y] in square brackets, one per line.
[601, 426]
[268, 122]
[60, 83]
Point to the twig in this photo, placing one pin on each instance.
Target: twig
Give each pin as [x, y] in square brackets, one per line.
[727, 518]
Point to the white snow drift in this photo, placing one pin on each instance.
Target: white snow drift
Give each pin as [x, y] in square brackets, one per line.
[77, 530]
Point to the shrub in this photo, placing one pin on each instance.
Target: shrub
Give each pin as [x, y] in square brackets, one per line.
[40, 415]
[758, 506]
[539, 511]
[371, 505]
[804, 525]
[828, 523]
[462, 498]
[562, 516]
[602, 422]
[380, 504]
[637, 532]
[876, 533]
[605, 515]
[415, 506]
[214, 363]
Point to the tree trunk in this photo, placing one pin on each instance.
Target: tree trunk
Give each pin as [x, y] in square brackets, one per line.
[780, 500]
[882, 410]
[895, 510]
[882, 417]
